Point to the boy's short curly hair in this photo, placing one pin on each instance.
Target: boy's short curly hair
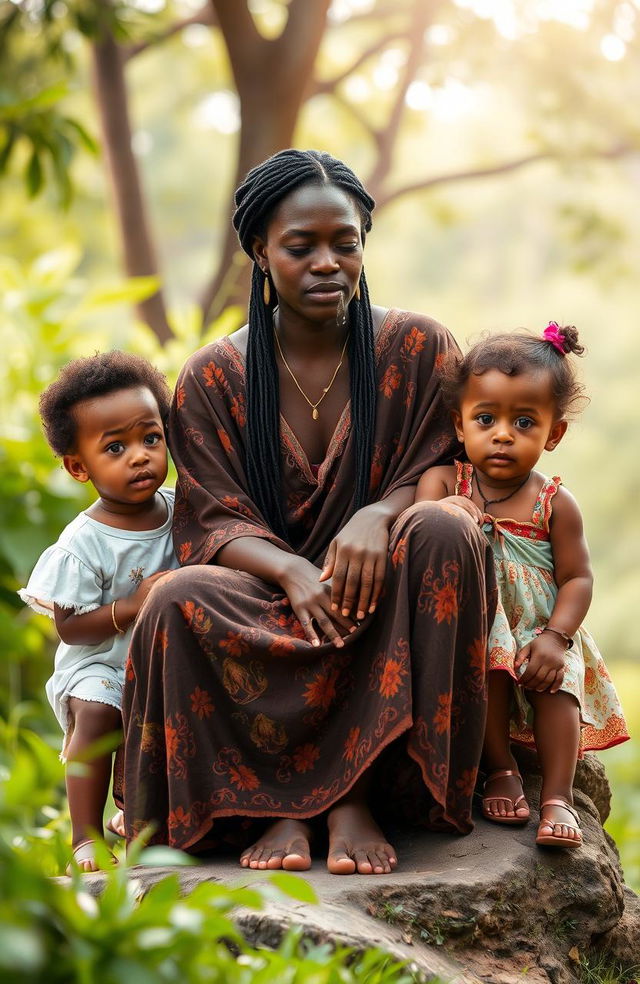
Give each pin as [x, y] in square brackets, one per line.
[515, 353]
[95, 375]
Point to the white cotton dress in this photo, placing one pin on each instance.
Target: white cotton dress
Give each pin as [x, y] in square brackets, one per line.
[91, 565]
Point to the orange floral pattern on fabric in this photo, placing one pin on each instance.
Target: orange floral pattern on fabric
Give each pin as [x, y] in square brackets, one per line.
[390, 381]
[201, 703]
[439, 593]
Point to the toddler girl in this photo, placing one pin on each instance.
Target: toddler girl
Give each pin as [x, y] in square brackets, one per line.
[509, 396]
[104, 416]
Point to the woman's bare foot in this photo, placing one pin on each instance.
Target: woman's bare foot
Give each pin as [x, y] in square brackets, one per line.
[115, 825]
[356, 843]
[284, 845]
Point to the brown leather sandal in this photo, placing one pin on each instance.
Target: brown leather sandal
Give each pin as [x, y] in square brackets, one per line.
[512, 804]
[550, 839]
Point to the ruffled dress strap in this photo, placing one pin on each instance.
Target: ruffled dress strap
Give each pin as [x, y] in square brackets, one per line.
[544, 503]
[464, 475]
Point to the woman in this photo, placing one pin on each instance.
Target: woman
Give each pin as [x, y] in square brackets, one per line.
[319, 618]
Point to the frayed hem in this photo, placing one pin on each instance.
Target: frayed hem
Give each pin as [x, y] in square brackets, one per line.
[44, 606]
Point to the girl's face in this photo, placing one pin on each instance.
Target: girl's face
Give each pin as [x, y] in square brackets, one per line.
[506, 422]
[313, 252]
[120, 447]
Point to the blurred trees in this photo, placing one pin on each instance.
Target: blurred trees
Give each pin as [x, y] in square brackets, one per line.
[381, 66]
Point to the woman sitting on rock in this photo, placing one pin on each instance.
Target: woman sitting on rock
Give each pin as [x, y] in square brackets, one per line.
[319, 618]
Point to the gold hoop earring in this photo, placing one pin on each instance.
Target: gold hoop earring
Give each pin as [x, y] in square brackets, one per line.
[266, 290]
[357, 293]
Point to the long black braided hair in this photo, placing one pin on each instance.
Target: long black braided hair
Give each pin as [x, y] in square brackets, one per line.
[256, 199]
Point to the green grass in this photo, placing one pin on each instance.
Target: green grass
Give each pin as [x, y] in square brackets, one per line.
[604, 970]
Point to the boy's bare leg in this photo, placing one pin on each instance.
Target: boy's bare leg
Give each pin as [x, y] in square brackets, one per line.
[87, 793]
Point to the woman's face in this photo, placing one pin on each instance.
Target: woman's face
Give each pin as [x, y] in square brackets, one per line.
[313, 251]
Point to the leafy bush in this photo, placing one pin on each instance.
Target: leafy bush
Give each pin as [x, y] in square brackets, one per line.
[54, 931]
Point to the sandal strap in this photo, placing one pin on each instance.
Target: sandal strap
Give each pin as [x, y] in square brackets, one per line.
[502, 774]
[505, 799]
[565, 806]
[84, 851]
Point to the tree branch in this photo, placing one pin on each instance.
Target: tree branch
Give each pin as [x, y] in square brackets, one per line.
[357, 115]
[320, 88]
[386, 136]
[377, 14]
[452, 177]
[206, 15]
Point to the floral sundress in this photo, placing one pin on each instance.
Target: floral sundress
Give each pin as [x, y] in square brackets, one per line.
[527, 595]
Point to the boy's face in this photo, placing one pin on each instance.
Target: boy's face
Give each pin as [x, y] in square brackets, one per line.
[120, 447]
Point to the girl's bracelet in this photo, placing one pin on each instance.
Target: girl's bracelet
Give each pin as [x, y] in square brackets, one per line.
[113, 619]
[564, 635]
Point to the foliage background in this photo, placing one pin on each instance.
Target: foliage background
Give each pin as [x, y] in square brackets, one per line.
[517, 130]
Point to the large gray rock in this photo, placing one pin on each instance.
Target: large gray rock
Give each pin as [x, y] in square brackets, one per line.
[488, 907]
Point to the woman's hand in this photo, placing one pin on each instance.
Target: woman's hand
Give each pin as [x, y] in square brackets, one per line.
[466, 504]
[545, 656]
[356, 562]
[130, 605]
[311, 602]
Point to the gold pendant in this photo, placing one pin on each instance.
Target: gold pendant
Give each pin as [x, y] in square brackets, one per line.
[315, 413]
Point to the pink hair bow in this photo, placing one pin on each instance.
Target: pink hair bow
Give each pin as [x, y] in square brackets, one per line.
[553, 334]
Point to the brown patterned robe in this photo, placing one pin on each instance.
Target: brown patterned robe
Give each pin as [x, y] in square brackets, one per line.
[229, 711]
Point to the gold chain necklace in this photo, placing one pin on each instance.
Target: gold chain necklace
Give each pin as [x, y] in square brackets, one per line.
[314, 406]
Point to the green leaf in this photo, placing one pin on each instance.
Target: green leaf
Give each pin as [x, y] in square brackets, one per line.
[21, 949]
[160, 856]
[41, 100]
[126, 969]
[293, 886]
[33, 174]
[7, 148]
[86, 139]
[135, 289]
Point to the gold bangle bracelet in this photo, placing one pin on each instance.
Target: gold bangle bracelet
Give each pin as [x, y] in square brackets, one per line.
[568, 641]
[113, 619]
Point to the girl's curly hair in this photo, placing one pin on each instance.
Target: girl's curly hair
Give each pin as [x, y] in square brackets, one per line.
[515, 353]
[95, 375]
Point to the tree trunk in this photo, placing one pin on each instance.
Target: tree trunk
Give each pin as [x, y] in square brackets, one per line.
[272, 80]
[133, 225]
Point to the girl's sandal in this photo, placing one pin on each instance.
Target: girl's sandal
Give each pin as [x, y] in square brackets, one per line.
[549, 839]
[84, 852]
[511, 803]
